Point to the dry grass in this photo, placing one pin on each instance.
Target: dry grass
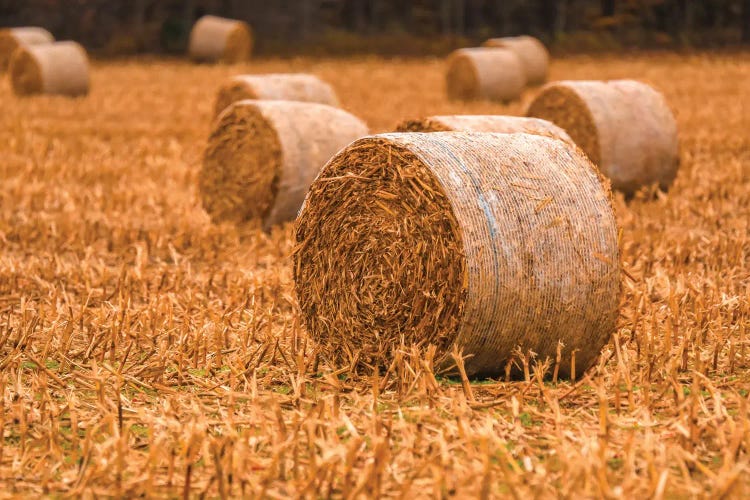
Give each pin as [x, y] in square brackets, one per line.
[145, 351]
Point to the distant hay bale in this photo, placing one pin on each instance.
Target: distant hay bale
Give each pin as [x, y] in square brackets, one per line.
[53, 68]
[532, 53]
[263, 155]
[483, 241]
[484, 73]
[485, 123]
[282, 86]
[217, 39]
[624, 126]
[12, 38]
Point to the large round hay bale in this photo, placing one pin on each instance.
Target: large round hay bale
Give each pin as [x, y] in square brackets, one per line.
[485, 123]
[12, 38]
[624, 126]
[532, 53]
[217, 39]
[53, 68]
[282, 86]
[484, 73]
[263, 155]
[484, 241]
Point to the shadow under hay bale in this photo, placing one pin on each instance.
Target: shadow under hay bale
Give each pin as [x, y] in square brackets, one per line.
[484, 73]
[485, 123]
[482, 241]
[278, 86]
[12, 38]
[532, 53]
[216, 39]
[262, 156]
[624, 126]
[55, 68]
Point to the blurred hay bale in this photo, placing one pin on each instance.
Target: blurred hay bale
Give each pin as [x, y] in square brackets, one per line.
[275, 86]
[485, 123]
[484, 73]
[216, 39]
[12, 38]
[624, 126]
[53, 68]
[262, 156]
[532, 53]
[483, 241]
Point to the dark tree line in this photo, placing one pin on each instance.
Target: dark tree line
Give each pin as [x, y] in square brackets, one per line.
[164, 24]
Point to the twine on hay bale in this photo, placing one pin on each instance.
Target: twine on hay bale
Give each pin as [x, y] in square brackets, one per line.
[281, 86]
[483, 241]
[217, 39]
[484, 73]
[624, 126]
[485, 123]
[53, 68]
[532, 53]
[12, 38]
[262, 156]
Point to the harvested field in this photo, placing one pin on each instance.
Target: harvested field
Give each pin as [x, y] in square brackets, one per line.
[146, 351]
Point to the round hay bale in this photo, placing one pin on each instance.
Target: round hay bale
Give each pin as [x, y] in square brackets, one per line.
[283, 87]
[263, 155]
[12, 38]
[482, 73]
[483, 241]
[485, 123]
[53, 68]
[624, 126]
[217, 39]
[532, 53]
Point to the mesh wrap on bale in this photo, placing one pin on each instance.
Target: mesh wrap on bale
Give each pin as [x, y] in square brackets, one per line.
[484, 73]
[486, 241]
[12, 38]
[283, 86]
[52, 68]
[624, 126]
[217, 39]
[532, 53]
[262, 156]
[485, 123]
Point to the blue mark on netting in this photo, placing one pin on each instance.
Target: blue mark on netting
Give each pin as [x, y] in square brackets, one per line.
[491, 222]
[485, 323]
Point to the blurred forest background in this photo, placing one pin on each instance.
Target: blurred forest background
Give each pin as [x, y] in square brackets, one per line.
[408, 27]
